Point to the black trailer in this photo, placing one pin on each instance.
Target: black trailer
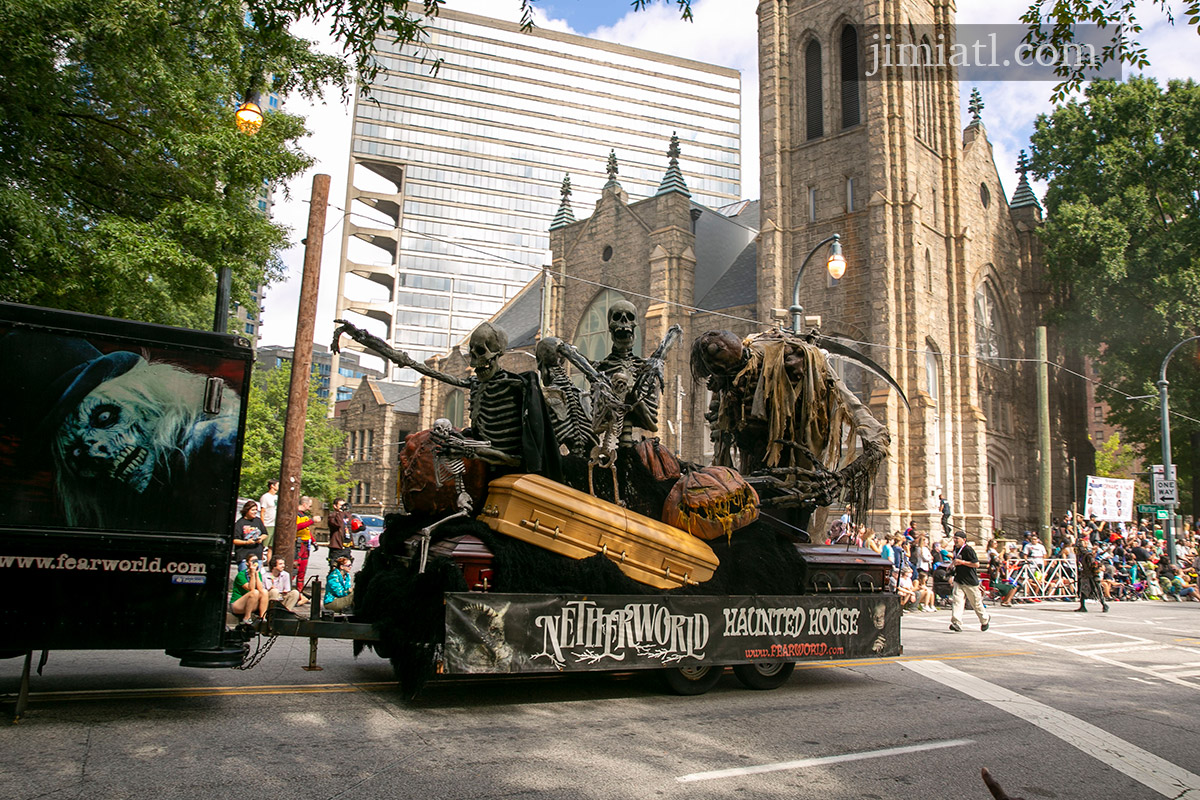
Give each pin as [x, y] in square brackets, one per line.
[120, 448]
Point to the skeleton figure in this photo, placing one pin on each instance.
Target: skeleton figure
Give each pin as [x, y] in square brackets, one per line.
[136, 440]
[451, 447]
[565, 401]
[506, 408]
[643, 406]
[777, 401]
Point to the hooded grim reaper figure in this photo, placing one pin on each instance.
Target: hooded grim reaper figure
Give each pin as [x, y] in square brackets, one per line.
[792, 421]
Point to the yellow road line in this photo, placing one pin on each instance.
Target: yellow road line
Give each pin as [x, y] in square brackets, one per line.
[215, 691]
[868, 662]
[378, 686]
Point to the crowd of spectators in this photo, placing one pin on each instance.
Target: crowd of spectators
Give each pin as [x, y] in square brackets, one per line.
[1131, 562]
[260, 578]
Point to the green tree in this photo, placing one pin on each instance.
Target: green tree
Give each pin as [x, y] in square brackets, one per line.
[1114, 460]
[1054, 22]
[1122, 246]
[124, 183]
[262, 450]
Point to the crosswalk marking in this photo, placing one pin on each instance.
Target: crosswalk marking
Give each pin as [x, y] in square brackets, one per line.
[1107, 648]
[1164, 777]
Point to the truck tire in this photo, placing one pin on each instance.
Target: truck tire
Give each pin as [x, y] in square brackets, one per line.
[692, 680]
[764, 674]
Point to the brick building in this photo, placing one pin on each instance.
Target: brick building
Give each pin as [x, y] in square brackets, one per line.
[376, 419]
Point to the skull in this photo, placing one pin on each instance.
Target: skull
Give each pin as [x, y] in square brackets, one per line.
[622, 322]
[548, 357]
[112, 434]
[487, 345]
[719, 353]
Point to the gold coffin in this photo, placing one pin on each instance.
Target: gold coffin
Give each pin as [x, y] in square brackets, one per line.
[568, 522]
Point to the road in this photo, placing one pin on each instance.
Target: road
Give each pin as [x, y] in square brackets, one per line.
[1056, 704]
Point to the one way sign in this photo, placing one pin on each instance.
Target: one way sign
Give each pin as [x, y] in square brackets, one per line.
[1165, 492]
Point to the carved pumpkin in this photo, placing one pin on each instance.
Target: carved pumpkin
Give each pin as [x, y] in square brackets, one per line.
[661, 462]
[417, 484]
[711, 502]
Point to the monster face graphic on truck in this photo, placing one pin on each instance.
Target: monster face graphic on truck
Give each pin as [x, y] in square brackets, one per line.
[131, 439]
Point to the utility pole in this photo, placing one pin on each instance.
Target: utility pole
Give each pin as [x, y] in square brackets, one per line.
[297, 408]
[1043, 400]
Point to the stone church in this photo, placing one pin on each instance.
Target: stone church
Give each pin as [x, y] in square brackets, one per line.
[943, 283]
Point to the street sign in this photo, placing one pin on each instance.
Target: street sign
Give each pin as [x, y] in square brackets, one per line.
[1145, 508]
[1160, 514]
[1165, 492]
[1157, 471]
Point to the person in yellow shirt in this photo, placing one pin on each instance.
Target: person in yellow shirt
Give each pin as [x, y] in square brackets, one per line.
[304, 542]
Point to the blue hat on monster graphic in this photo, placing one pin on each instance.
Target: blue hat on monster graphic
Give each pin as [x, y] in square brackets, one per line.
[47, 375]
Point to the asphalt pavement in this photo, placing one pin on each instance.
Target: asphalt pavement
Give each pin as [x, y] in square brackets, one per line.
[1054, 703]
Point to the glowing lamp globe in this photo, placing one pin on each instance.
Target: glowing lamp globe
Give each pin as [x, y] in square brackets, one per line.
[837, 262]
[249, 117]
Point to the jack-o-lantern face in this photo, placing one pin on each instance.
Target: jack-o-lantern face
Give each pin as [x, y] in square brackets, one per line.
[711, 502]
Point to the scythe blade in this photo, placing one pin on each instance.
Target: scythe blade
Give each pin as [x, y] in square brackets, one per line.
[845, 351]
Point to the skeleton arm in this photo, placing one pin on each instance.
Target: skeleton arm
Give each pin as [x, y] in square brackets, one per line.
[570, 353]
[382, 348]
[650, 377]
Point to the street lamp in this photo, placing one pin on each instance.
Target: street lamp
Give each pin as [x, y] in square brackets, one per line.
[1166, 444]
[836, 265]
[248, 118]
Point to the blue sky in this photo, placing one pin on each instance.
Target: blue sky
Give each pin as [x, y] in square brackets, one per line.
[586, 15]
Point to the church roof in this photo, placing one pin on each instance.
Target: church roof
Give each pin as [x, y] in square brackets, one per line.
[738, 286]
[521, 317]
[725, 255]
[406, 399]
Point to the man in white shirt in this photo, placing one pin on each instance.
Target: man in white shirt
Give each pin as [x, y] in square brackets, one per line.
[279, 586]
[266, 510]
[1036, 553]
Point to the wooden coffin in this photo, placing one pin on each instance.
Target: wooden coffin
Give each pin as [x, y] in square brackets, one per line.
[568, 522]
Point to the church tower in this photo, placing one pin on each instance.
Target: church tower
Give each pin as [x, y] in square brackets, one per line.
[941, 275]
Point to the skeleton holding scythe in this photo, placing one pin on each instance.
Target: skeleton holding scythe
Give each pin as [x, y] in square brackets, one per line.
[506, 408]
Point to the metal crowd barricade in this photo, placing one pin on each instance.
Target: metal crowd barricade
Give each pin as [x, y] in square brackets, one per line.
[1054, 579]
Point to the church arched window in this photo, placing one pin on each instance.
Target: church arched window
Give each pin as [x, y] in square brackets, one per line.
[851, 114]
[990, 338]
[591, 337]
[453, 408]
[814, 125]
[930, 94]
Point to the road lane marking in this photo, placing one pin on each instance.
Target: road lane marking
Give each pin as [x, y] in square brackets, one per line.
[382, 686]
[1164, 777]
[205, 691]
[817, 762]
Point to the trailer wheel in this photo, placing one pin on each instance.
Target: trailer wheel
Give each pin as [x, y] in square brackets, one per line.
[692, 680]
[764, 674]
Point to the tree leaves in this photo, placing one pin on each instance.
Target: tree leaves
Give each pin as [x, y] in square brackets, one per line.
[124, 185]
[1122, 243]
[262, 448]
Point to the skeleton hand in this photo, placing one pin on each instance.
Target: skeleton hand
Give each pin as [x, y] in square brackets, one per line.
[369, 341]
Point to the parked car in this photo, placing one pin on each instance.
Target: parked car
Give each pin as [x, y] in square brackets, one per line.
[366, 537]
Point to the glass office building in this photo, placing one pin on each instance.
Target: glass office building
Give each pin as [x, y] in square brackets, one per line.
[455, 175]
